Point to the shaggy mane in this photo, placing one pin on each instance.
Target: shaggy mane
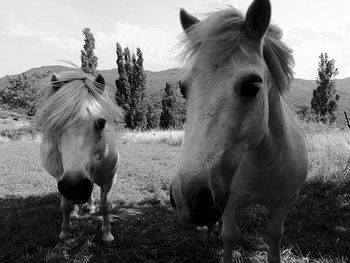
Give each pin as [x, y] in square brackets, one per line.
[222, 31]
[66, 100]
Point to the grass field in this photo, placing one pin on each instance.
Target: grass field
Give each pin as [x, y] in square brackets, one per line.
[143, 223]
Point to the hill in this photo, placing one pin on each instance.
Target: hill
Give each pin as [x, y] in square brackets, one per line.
[300, 92]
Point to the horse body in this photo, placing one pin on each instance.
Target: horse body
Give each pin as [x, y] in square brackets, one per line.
[78, 146]
[242, 144]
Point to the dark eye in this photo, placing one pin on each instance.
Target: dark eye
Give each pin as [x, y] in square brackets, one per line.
[100, 124]
[251, 86]
[98, 154]
[182, 86]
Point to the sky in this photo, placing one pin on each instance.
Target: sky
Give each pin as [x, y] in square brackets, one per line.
[40, 32]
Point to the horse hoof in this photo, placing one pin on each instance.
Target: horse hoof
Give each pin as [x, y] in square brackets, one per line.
[107, 237]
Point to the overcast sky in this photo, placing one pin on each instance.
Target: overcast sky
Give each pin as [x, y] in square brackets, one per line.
[38, 32]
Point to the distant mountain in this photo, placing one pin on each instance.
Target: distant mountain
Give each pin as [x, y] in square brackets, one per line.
[300, 92]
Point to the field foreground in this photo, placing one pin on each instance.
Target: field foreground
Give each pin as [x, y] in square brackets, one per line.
[143, 223]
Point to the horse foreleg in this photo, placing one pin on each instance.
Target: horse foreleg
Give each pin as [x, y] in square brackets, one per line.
[275, 230]
[91, 206]
[75, 211]
[230, 232]
[67, 208]
[106, 209]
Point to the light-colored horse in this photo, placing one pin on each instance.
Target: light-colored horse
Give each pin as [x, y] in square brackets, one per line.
[78, 147]
[242, 143]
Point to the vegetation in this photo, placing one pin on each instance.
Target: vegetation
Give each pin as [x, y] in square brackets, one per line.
[173, 113]
[144, 224]
[130, 88]
[153, 114]
[88, 59]
[122, 95]
[20, 94]
[325, 98]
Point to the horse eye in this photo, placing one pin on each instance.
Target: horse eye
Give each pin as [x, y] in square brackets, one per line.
[251, 86]
[100, 123]
[182, 86]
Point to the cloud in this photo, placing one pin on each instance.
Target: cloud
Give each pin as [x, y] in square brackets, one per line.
[69, 44]
[155, 45]
[308, 44]
[13, 27]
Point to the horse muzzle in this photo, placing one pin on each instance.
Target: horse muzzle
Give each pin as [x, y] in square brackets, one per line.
[76, 187]
[199, 208]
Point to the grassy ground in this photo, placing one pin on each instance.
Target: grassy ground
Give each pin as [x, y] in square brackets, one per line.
[143, 223]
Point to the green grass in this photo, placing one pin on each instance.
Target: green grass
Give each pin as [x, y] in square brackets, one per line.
[143, 223]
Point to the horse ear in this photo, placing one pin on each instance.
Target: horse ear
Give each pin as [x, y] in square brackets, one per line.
[54, 77]
[100, 81]
[258, 18]
[187, 20]
[55, 83]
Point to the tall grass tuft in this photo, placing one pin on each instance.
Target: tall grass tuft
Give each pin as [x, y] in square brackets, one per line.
[329, 151]
[173, 138]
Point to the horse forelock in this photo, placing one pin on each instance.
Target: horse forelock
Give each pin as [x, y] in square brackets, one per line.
[63, 106]
[222, 32]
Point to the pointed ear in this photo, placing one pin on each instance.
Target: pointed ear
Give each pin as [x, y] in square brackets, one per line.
[258, 18]
[187, 20]
[54, 77]
[100, 82]
[55, 83]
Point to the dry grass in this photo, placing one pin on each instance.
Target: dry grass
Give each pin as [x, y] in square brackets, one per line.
[329, 151]
[170, 137]
[317, 230]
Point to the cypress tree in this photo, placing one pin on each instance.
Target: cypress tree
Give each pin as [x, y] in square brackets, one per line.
[88, 58]
[169, 108]
[131, 85]
[122, 95]
[128, 65]
[138, 91]
[325, 97]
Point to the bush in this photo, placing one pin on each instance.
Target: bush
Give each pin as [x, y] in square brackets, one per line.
[20, 94]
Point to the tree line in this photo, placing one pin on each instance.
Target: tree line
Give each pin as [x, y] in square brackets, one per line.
[142, 111]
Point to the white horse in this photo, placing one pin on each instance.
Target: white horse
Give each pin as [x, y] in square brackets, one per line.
[78, 146]
[242, 143]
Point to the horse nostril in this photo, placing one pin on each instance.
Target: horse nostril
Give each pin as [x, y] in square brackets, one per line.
[172, 201]
[61, 188]
[202, 206]
[86, 184]
[85, 189]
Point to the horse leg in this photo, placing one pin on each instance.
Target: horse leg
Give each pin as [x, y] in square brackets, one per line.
[75, 211]
[275, 230]
[106, 209]
[91, 206]
[67, 208]
[230, 232]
